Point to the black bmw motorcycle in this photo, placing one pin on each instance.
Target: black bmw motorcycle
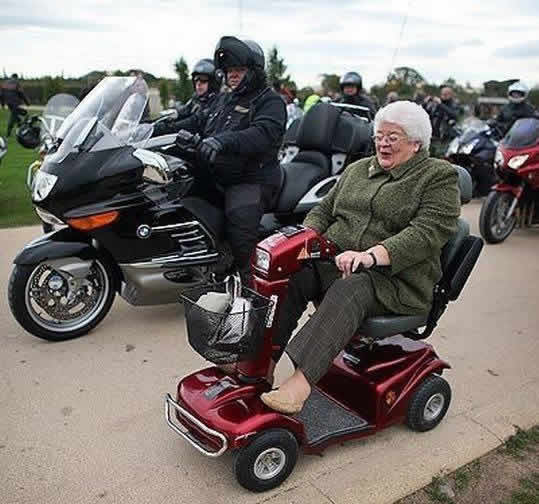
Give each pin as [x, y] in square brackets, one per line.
[130, 221]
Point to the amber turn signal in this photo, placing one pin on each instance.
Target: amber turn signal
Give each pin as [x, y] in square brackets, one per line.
[91, 222]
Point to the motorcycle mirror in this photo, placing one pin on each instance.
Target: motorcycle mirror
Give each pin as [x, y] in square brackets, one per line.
[168, 114]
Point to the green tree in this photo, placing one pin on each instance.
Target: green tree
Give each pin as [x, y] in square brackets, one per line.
[330, 83]
[52, 86]
[164, 93]
[275, 69]
[183, 88]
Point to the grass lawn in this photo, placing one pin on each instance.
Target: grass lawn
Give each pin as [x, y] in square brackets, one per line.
[15, 205]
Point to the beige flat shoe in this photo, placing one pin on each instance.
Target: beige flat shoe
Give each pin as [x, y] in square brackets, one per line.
[274, 400]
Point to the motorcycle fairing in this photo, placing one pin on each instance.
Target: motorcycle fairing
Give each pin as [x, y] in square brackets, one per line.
[64, 242]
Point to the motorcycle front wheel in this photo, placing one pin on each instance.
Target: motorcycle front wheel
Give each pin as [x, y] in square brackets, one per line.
[494, 222]
[53, 305]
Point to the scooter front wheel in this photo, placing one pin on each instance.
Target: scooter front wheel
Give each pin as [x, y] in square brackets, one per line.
[494, 222]
[54, 305]
[267, 461]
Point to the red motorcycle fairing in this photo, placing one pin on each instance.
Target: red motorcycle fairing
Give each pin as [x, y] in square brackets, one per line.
[515, 190]
[230, 407]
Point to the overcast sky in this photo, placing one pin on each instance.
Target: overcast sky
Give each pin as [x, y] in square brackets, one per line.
[468, 40]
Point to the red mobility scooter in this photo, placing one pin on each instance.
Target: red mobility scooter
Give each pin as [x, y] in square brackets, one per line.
[385, 375]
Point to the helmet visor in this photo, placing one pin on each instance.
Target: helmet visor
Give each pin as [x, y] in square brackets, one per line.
[231, 52]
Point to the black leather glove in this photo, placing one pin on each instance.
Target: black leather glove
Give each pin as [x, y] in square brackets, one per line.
[209, 148]
[185, 139]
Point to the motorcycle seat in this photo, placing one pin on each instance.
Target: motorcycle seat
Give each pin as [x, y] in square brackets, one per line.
[307, 169]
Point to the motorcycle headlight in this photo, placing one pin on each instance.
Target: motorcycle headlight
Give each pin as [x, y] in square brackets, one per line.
[42, 185]
[48, 217]
[262, 260]
[469, 147]
[517, 161]
[453, 147]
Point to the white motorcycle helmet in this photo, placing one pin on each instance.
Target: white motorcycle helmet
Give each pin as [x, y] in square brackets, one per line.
[517, 92]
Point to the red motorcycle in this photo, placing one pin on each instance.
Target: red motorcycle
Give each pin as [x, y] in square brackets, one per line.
[386, 374]
[513, 201]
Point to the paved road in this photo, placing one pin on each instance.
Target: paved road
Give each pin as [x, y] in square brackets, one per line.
[81, 421]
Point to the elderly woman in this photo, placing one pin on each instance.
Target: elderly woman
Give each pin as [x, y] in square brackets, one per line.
[390, 215]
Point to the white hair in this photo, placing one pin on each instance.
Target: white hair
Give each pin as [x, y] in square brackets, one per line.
[411, 117]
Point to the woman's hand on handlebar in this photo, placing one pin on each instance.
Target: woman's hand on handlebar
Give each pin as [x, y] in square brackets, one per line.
[349, 261]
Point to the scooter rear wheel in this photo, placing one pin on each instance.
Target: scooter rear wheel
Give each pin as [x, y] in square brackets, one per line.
[428, 404]
[267, 461]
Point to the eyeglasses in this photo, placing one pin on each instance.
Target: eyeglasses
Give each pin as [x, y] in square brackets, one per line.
[392, 138]
[201, 79]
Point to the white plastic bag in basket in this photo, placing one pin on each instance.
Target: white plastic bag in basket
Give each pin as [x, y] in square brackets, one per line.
[240, 322]
[217, 302]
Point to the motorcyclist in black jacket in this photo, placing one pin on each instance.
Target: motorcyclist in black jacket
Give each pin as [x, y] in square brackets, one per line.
[444, 112]
[242, 133]
[207, 84]
[518, 108]
[351, 86]
[12, 95]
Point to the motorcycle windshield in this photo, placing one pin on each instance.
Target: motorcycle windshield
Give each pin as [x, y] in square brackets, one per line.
[55, 112]
[524, 133]
[108, 118]
[473, 129]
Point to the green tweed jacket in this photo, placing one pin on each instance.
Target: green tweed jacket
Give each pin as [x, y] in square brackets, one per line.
[411, 210]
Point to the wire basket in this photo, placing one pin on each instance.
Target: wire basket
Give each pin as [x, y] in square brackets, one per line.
[230, 336]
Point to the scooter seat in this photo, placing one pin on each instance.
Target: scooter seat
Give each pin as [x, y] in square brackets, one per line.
[307, 169]
[390, 325]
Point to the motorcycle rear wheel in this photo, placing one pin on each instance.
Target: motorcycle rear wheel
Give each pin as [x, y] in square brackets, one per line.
[38, 299]
[494, 224]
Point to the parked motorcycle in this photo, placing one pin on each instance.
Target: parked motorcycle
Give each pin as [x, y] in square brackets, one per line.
[39, 131]
[132, 223]
[514, 201]
[474, 149]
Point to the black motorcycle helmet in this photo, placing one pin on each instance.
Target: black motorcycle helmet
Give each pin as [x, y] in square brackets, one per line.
[351, 79]
[206, 67]
[231, 51]
[28, 135]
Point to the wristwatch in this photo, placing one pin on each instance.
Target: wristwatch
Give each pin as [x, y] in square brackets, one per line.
[375, 262]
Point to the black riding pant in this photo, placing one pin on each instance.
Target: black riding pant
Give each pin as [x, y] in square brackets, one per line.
[15, 117]
[244, 205]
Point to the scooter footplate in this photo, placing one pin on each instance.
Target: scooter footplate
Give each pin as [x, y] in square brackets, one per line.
[323, 418]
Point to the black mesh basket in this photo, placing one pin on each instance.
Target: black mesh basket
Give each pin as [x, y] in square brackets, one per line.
[223, 338]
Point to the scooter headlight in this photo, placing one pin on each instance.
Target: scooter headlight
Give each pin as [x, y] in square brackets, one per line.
[469, 147]
[517, 161]
[262, 260]
[42, 185]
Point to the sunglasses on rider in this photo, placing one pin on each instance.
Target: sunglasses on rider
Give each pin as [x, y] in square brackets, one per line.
[201, 79]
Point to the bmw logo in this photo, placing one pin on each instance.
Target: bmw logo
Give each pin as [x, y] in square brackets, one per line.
[144, 231]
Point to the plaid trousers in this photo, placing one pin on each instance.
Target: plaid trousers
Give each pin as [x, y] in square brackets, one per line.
[346, 303]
